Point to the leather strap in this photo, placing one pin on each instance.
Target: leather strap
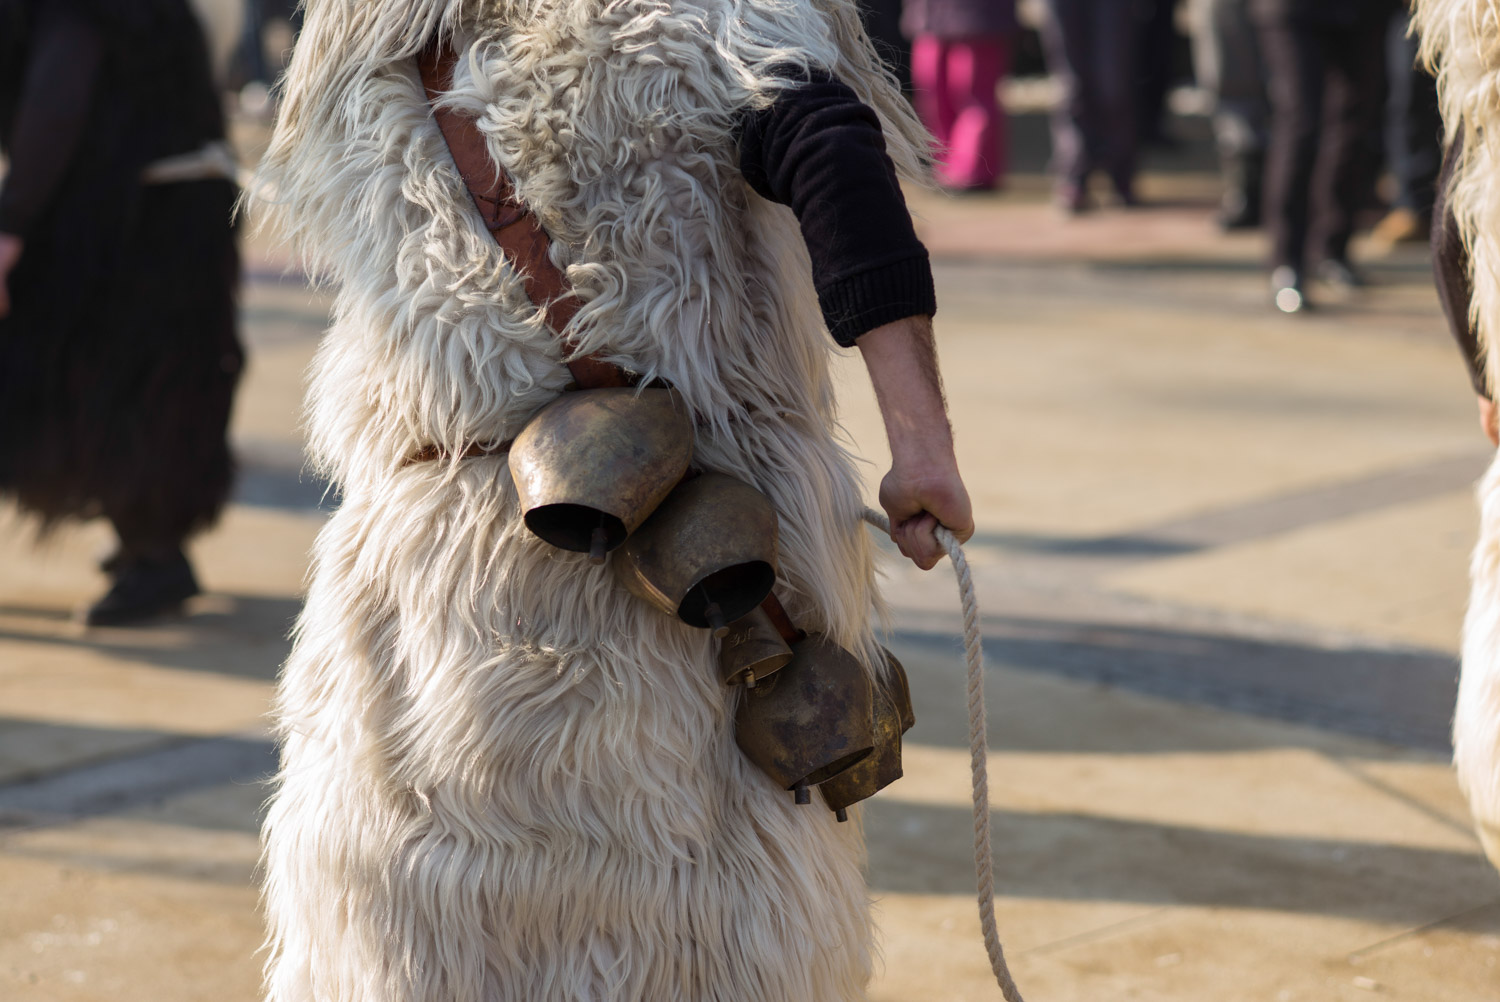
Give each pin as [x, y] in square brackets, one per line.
[513, 226]
[524, 241]
[774, 610]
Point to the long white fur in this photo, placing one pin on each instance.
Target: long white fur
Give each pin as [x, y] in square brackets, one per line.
[503, 778]
[1461, 40]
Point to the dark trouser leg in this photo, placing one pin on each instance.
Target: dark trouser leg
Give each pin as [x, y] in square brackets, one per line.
[1295, 69]
[1155, 34]
[1353, 102]
[1414, 125]
[1065, 34]
[144, 536]
[1114, 74]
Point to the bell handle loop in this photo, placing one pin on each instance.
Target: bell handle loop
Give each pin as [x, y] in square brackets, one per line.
[984, 873]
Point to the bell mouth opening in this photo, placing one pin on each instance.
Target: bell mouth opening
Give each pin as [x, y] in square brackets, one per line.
[736, 590]
[835, 768]
[572, 526]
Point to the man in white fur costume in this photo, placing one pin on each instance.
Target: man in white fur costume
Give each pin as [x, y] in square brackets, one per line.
[1461, 39]
[504, 777]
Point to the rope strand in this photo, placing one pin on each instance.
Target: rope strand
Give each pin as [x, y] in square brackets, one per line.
[984, 872]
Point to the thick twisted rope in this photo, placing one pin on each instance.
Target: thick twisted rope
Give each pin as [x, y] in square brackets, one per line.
[984, 872]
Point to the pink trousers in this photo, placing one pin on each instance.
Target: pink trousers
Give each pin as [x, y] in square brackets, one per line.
[955, 82]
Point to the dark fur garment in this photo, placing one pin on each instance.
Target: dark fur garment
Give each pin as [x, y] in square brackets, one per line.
[120, 357]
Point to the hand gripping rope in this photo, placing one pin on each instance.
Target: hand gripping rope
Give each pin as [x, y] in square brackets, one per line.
[984, 874]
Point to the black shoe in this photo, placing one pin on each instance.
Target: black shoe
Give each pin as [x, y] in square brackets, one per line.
[1286, 290]
[1072, 199]
[1340, 274]
[144, 589]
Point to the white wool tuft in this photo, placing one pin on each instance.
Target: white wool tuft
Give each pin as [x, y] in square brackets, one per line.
[1476, 717]
[503, 777]
[1461, 40]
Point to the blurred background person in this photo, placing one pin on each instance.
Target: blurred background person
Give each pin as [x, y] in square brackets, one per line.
[1413, 139]
[960, 50]
[118, 269]
[1228, 64]
[1090, 51]
[1325, 64]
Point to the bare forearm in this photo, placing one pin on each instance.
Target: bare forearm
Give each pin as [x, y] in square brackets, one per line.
[902, 361]
[923, 488]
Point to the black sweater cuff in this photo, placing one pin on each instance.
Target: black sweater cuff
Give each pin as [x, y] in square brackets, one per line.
[820, 150]
[858, 303]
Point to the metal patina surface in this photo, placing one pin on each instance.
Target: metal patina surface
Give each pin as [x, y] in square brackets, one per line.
[752, 651]
[600, 460]
[810, 721]
[707, 555]
[893, 717]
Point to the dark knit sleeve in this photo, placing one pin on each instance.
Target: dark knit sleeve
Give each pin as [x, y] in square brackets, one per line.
[819, 150]
[66, 49]
[1450, 270]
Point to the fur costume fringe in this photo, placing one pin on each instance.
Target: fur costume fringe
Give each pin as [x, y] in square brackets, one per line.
[1461, 41]
[503, 778]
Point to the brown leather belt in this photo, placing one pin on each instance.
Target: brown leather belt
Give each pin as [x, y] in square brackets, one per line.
[525, 243]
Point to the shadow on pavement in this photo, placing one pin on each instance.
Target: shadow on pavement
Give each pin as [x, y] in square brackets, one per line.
[241, 635]
[1076, 857]
[1399, 697]
[141, 778]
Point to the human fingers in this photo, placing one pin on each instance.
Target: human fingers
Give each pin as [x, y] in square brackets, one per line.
[917, 539]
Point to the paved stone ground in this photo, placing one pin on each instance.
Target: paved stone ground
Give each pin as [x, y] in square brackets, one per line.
[1221, 556]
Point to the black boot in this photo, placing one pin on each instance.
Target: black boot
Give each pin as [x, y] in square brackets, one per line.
[143, 588]
[1239, 206]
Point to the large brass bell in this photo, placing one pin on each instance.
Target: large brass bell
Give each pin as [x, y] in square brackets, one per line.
[752, 651]
[706, 555]
[593, 464]
[893, 718]
[811, 721]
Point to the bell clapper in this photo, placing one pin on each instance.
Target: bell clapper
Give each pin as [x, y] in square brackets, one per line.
[715, 616]
[841, 815]
[749, 680]
[597, 544]
[802, 794]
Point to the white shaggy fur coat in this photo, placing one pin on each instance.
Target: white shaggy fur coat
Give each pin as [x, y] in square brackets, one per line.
[1462, 39]
[503, 778]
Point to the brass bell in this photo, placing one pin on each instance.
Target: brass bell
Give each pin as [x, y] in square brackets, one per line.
[893, 718]
[898, 687]
[810, 721]
[752, 651]
[706, 555]
[592, 465]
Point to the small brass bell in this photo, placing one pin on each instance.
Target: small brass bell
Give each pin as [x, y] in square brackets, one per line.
[706, 555]
[752, 651]
[893, 717]
[593, 464]
[810, 721]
